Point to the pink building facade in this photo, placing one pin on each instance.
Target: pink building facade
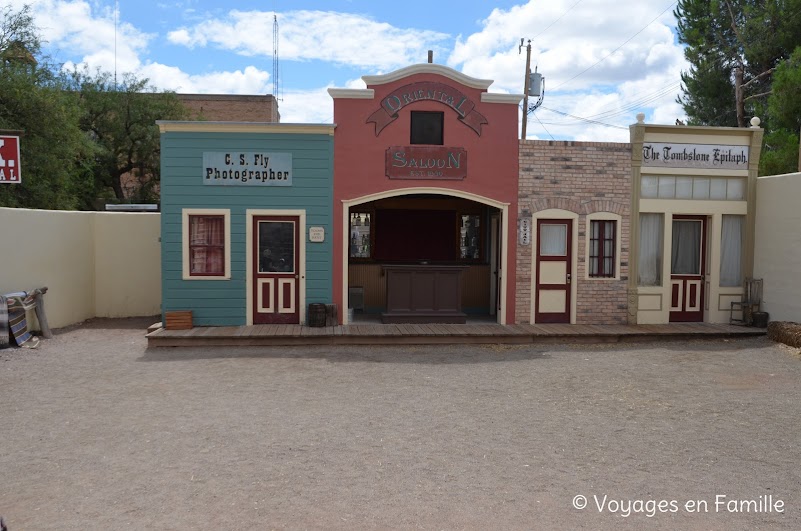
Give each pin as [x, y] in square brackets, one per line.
[426, 166]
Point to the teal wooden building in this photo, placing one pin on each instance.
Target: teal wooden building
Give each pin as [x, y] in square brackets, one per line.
[246, 220]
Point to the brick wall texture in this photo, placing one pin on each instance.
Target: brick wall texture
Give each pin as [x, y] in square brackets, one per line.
[583, 178]
[232, 107]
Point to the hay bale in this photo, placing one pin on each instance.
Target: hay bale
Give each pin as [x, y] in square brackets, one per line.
[785, 332]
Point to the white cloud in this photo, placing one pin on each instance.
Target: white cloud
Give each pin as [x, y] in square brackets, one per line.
[568, 38]
[340, 38]
[591, 71]
[251, 80]
[307, 106]
[80, 28]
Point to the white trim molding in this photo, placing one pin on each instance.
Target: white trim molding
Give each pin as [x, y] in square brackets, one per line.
[602, 216]
[428, 68]
[511, 99]
[166, 126]
[185, 213]
[354, 94]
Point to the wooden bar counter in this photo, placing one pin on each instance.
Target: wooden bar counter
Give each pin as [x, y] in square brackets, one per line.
[423, 293]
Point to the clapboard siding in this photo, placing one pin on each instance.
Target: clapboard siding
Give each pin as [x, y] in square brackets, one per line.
[222, 302]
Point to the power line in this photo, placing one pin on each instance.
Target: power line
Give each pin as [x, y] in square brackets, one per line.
[636, 104]
[596, 122]
[616, 49]
[543, 126]
[560, 17]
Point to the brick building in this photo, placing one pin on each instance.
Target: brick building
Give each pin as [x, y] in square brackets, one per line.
[583, 187]
[232, 107]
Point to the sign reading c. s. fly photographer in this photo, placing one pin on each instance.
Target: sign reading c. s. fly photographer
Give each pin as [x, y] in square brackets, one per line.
[247, 168]
[9, 160]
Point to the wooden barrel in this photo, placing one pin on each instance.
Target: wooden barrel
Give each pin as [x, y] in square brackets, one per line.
[316, 314]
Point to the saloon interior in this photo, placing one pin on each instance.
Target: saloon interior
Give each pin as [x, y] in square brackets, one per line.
[455, 239]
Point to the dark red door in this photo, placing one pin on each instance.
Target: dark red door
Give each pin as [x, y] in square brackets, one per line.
[552, 304]
[687, 269]
[276, 285]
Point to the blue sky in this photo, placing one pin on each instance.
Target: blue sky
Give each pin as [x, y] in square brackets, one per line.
[603, 60]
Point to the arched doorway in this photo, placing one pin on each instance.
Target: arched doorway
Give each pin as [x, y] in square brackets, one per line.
[433, 228]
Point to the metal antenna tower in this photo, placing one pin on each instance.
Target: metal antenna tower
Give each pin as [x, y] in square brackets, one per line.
[116, 15]
[275, 64]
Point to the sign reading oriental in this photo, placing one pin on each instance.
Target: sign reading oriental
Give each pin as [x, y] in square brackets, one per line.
[427, 91]
[426, 162]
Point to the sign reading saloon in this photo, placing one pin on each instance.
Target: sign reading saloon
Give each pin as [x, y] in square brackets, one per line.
[427, 91]
[701, 156]
[247, 168]
[9, 160]
[426, 162]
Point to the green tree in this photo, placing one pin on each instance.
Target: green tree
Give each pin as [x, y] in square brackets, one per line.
[733, 47]
[780, 154]
[19, 36]
[120, 118]
[53, 149]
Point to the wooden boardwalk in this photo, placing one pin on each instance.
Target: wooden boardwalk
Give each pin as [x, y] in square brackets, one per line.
[432, 334]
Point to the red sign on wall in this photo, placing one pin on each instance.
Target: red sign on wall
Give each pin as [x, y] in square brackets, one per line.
[430, 91]
[426, 162]
[9, 160]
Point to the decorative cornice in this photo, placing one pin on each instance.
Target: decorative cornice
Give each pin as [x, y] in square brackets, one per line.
[356, 94]
[512, 99]
[166, 126]
[428, 68]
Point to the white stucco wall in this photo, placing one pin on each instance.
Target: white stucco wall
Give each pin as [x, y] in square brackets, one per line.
[127, 264]
[54, 249]
[94, 264]
[777, 250]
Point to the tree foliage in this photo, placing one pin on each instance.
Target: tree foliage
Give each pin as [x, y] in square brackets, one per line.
[83, 136]
[53, 148]
[784, 113]
[19, 36]
[121, 120]
[735, 49]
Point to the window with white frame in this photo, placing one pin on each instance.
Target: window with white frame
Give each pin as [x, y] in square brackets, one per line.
[680, 187]
[206, 244]
[602, 248]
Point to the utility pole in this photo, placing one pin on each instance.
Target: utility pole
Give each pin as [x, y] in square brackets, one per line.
[525, 89]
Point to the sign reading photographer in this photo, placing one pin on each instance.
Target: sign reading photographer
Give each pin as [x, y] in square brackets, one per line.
[701, 156]
[247, 168]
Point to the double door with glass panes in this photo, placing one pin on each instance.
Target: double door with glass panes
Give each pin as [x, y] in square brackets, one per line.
[276, 284]
[687, 269]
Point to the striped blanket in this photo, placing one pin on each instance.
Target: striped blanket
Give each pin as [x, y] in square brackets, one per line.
[16, 304]
[3, 321]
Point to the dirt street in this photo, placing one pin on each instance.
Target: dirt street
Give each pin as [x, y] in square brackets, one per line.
[98, 432]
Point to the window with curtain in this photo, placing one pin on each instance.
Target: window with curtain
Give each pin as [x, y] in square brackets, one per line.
[650, 256]
[731, 250]
[602, 248]
[206, 245]
[686, 247]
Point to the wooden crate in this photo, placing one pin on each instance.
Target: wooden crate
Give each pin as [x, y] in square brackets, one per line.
[178, 320]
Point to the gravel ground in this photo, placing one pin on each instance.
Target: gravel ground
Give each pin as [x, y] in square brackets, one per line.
[99, 432]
